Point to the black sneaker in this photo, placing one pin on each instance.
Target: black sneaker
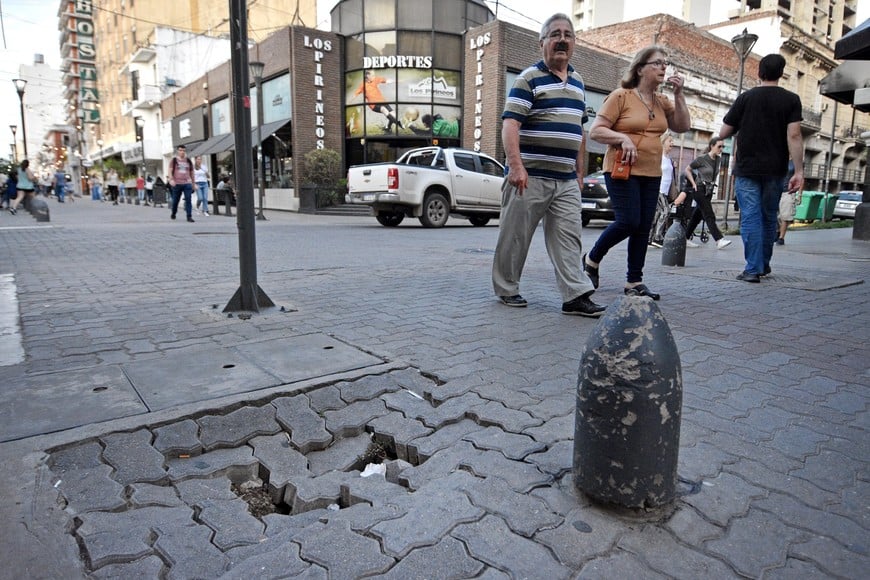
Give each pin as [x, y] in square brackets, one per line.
[591, 272]
[172, 216]
[583, 306]
[780, 242]
[191, 220]
[749, 277]
[516, 301]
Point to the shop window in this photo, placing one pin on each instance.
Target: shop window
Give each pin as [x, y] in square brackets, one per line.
[415, 14]
[380, 14]
[478, 15]
[380, 43]
[350, 17]
[354, 50]
[450, 16]
[448, 51]
[415, 43]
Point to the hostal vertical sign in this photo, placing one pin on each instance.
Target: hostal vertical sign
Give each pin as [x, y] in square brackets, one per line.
[476, 44]
[83, 26]
[321, 47]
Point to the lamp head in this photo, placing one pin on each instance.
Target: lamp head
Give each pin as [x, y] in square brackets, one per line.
[20, 84]
[743, 43]
[256, 69]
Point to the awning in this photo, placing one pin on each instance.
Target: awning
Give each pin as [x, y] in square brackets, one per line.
[855, 45]
[268, 129]
[200, 146]
[841, 83]
[227, 142]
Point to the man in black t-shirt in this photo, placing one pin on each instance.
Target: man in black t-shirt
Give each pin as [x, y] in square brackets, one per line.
[767, 121]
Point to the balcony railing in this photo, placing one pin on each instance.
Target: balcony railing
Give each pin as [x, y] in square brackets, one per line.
[840, 174]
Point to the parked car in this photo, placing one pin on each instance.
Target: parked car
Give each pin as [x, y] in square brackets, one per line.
[846, 204]
[596, 201]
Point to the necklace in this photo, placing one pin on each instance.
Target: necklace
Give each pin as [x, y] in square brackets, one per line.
[650, 110]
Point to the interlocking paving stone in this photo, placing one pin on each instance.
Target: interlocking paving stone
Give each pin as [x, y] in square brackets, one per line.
[493, 574]
[330, 545]
[374, 490]
[352, 420]
[558, 429]
[433, 511]
[189, 551]
[232, 523]
[117, 537]
[83, 456]
[279, 462]
[269, 561]
[524, 514]
[196, 491]
[422, 448]
[277, 524]
[440, 464]
[304, 494]
[234, 429]
[446, 559]
[665, 555]
[688, 525]
[520, 476]
[343, 455]
[829, 470]
[238, 464]
[143, 569]
[585, 533]
[618, 565]
[307, 427]
[828, 555]
[362, 517]
[702, 460]
[508, 396]
[795, 568]
[325, 399]
[394, 431]
[755, 542]
[724, 498]
[556, 460]
[452, 410]
[146, 494]
[181, 438]
[412, 380]
[395, 468]
[491, 541]
[367, 387]
[552, 407]
[511, 445]
[92, 489]
[133, 457]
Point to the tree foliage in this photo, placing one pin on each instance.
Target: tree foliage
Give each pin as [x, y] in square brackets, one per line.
[322, 168]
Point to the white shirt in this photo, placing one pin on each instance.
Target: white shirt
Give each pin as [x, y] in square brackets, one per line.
[667, 175]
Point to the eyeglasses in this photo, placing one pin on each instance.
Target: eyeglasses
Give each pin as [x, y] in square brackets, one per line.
[559, 35]
[658, 63]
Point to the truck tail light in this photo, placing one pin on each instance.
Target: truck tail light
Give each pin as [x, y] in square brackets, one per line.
[393, 178]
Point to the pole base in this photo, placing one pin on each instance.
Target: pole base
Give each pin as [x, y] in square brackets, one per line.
[861, 227]
[262, 217]
[250, 298]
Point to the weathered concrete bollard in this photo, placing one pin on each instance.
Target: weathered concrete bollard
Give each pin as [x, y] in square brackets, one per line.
[674, 246]
[629, 403]
[39, 209]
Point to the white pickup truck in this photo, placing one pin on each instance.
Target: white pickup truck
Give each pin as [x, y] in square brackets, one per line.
[429, 183]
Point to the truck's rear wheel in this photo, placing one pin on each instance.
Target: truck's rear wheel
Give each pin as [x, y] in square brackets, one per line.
[478, 220]
[390, 219]
[436, 210]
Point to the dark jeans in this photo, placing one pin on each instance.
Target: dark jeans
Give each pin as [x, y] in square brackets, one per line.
[634, 204]
[704, 210]
[187, 190]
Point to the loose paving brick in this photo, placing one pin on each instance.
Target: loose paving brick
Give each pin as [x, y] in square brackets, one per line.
[666, 556]
[144, 569]
[146, 494]
[491, 541]
[555, 461]
[446, 559]
[754, 543]
[181, 438]
[188, 549]
[724, 498]
[520, 476]
[234, 429]
[362, 516]
[325, 399]
[329, 545]
[367, 388]
[394, 431]
[422, 448]
[524, 514]
[511, 445]
[238, 464]
[374, 490]
[232, 523]
[352, 420]
[279, 462]
[310, 493]
[282, 561]
[307, 428]
[343, 455]
[277, 524]
[133, 457]
[91, 489]
[77, 457]
[196, 491]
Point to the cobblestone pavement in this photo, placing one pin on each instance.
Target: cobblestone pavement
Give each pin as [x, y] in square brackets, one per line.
[469, 406]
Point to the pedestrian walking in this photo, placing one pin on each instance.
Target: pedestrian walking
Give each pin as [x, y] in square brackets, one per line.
[149, 190]
[668, 194]
[59, 184]
[631, 123]
[767, 122]
[201, 179]
[112, 183]
[544, 111]
[26, 183]
[787, 207]
[702, 174]
[181, 181]
[140, 188]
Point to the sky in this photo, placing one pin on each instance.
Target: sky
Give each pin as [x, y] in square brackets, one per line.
[30, 27]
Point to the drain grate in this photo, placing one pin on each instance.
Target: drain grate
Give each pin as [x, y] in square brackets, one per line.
[785, 280]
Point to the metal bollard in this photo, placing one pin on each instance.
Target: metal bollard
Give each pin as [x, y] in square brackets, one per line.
[674, 245]
[629, 403]
[39, 210]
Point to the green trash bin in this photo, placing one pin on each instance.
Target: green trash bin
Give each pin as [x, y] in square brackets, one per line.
[826, 207]
[809, 206]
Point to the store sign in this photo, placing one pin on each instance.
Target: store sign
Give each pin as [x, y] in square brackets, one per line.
[321, 47]
[397, 62]
[437, 87]
[477, 44]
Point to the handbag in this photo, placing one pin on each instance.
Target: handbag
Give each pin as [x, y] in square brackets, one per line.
[621, 167]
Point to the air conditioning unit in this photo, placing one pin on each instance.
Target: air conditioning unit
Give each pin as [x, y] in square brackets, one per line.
[171, 82]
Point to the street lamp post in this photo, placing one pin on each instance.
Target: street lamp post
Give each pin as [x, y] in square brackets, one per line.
[256, 69]
[14, 129]
[742, 44]
[20, 84]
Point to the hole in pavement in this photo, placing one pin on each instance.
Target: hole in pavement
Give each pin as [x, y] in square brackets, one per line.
[100, 389]
[328, 347]
[256, 494]
[229, 366]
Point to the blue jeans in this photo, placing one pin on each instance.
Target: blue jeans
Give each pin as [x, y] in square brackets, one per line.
[202, 195]
[634, 205]
[758, 198]
[187, 190]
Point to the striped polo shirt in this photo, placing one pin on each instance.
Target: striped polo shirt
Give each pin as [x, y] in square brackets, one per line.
[551, 115]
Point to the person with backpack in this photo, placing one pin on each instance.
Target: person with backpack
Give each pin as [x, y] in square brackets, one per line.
[181, 181]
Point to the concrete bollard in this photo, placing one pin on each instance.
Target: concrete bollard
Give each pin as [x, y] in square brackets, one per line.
[629, 403]
[674, 245]
[39, 209]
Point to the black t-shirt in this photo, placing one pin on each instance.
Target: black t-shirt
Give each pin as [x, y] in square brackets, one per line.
[760, 116]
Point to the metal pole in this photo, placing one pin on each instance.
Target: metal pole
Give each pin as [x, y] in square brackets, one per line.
[14, 144]
[261, 173]
[23, 122]
[830, 159]
[733, 157]
[249, 297]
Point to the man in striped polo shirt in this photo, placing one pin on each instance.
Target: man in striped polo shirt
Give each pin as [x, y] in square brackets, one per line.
[542, 134]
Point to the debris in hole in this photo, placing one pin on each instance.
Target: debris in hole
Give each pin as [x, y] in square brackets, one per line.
[376, 453]
[256, 494]
[373, 469]
[333, 507]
